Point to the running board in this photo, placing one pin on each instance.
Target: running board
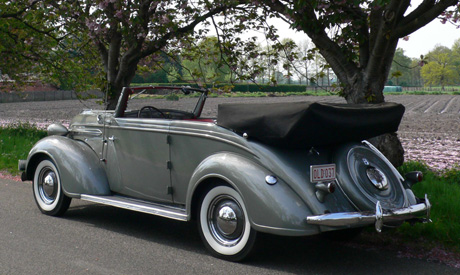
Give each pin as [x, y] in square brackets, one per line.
[139, 206]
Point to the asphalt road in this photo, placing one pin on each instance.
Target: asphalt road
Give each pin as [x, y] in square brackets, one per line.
[95, 239]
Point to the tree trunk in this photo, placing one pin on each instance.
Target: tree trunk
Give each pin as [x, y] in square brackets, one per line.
[111, 103]
[371, 91]
[123, 78]
[391, 148]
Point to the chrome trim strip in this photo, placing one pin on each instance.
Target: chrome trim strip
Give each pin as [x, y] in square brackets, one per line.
[89, 132]
[369, 217]
[156, 130]
[139, 206]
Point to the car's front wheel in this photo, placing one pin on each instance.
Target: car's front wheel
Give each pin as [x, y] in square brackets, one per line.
[47, 189]
[224, 224]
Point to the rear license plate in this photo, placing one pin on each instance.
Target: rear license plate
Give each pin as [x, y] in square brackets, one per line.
[324, 172]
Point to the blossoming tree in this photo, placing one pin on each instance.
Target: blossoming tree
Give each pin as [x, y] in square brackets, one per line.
[358, 39]
[126, 31]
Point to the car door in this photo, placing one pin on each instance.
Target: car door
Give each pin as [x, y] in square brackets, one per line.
[137, 158]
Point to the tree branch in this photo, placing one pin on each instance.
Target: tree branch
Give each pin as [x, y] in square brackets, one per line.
[421, 16]
[383, 40]
[180, 32]
[20, 12]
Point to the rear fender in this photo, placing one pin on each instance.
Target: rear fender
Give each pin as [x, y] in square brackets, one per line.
[275, 209]
[80, 168]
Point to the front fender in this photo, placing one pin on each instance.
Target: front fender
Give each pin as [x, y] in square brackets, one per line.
[79, 167]
[275, 209]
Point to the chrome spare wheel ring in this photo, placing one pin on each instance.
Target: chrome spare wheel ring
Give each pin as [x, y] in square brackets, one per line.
[47, 185]
[226, 220]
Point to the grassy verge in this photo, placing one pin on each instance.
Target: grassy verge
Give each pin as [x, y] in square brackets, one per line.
[15, 142]
[443, 189]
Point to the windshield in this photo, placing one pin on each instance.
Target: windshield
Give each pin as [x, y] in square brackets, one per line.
[161, 102]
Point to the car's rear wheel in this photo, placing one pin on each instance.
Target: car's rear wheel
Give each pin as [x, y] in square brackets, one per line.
[224, 224]
[47, 189]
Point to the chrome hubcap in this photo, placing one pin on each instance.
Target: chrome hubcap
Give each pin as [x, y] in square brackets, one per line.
[226, 220]
[378, 178]
[47, 186]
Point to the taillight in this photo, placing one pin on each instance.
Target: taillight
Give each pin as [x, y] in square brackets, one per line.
[412, 178]
[322, 189]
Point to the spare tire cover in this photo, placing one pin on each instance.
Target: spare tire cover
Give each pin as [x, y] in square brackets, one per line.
[366, 178]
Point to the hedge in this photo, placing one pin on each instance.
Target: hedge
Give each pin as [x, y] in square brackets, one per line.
[250, 88]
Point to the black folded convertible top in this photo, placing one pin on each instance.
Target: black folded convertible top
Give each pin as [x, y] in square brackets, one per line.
[307, 124]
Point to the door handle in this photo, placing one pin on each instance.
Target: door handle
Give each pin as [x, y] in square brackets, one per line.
[112, 138]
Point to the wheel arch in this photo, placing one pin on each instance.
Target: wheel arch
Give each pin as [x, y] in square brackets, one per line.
[284, 212]
[201, 189]
[33, 162]
[79, 167]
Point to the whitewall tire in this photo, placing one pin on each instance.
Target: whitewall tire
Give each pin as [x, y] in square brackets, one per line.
[224, 224]
[47, 189]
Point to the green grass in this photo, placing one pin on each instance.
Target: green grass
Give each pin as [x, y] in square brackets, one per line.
[443, 189]
[15, 142]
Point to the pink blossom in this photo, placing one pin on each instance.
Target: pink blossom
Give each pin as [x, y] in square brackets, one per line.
[29, 41]
[183, 5]
[165, 19]
[91, 24]
[103, 5]
[119, 14]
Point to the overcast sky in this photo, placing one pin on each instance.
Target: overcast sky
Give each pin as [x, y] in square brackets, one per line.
[420, 42]
[426, 38]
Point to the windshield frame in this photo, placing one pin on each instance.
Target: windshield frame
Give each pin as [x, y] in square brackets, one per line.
[127, 91]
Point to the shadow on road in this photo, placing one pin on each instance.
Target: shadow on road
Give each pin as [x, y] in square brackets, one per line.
[275, 253]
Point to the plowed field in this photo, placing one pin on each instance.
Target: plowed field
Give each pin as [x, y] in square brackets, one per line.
[430, 130]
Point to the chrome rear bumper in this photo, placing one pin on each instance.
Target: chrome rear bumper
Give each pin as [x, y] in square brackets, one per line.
[379, 217]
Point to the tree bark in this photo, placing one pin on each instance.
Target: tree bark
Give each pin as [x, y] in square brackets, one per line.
[391, 148]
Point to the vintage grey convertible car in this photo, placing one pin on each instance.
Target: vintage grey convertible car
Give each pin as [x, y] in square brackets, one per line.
[292, 169]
